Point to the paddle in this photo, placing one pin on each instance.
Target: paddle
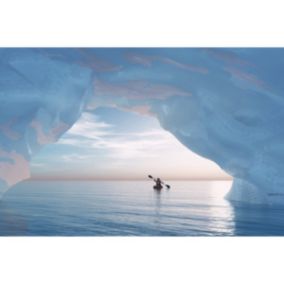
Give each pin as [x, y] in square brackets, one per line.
[161, 182]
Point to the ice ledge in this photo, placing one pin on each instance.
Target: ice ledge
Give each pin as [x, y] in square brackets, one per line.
[246, 192]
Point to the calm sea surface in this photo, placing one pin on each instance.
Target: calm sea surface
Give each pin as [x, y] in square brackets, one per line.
[131, 208]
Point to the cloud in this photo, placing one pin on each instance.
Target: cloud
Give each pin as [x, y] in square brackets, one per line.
[74, 157]
[89, 127]
[89, 133]
[37, 165]
[100, 150]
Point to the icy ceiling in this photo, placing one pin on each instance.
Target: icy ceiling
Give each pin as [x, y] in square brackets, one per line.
[224, 104]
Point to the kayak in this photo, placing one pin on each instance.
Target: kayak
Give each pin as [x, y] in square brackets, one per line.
[157, 187]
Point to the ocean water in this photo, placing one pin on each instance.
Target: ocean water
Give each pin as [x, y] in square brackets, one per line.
[131, 208]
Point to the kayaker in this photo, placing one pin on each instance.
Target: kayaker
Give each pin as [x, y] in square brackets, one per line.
[158, 183]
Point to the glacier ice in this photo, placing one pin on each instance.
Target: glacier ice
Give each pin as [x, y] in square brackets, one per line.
[224, 104]
[40, 99]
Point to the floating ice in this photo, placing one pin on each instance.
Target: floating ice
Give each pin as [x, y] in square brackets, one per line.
[224, 104]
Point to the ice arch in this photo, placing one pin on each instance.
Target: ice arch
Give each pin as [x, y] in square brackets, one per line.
[226, 105]
[40, 99]
[244, 142]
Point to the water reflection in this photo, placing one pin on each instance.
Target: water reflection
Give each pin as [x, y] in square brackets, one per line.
[241, 219]
[11, 224]
[112, 208]
[195, 208]
[221, 210]
[157, 195]
[258, 220]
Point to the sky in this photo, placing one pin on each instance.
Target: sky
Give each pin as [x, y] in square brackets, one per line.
[110, 143]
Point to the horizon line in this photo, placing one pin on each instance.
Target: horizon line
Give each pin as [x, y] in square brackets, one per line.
[125, 179]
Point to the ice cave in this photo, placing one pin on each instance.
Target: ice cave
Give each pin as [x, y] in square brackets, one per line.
[224, 104]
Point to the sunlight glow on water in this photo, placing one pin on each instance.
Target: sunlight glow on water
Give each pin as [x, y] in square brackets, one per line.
[130, 208]
[115, 208]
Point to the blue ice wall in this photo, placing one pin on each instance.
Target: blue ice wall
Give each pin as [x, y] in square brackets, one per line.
[40, 99]
[224, 104]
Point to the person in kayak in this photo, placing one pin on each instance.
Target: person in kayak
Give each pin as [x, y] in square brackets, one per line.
[158, 183]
